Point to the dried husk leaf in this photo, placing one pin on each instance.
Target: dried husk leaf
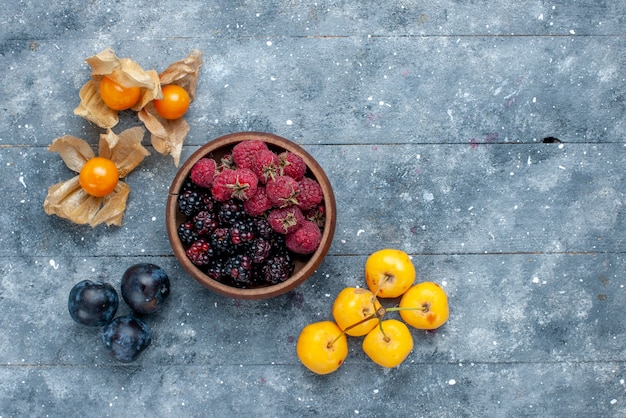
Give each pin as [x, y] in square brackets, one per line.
[184, 73]
[128, 74]
[113, 206]
[125, 149]
[147, 94]
[167, 136]
[74, 151]
[124, 71]
[103, 62]
[68, 200]
[93, 108]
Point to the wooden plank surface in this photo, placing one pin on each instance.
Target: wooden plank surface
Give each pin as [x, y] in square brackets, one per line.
[540, 338]
[486, 140]
[426, 199]
[443, 89]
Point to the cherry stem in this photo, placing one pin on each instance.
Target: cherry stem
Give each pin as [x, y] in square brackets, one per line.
[380, 284]
[380, 312]
[408, 308]
[382, 331]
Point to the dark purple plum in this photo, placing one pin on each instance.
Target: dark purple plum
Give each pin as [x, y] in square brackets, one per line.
[126, 337]
[93, 304]
[145, 287]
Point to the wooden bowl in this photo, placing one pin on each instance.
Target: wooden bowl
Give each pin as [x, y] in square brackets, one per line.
[305, 265]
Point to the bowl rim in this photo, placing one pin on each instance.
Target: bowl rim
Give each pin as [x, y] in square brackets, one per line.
[314, 259]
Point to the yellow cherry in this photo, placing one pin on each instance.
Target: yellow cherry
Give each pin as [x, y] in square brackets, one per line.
[425, 306]
[388, 344]
[353, 305]
[389, 273]
[322, 347]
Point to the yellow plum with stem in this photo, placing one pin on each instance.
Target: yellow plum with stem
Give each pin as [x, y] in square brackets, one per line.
[389, 273]
[352, 308]
[388, 344]
[425, 306]
[322, 347]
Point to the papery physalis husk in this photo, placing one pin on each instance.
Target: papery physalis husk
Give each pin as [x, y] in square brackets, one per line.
[124, 71]
[125, 149]
[184, 73]
[68, 200]
[167, 136]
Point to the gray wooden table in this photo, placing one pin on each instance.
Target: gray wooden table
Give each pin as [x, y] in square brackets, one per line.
[486, 140]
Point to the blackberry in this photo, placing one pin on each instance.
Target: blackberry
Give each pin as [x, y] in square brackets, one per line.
[260, 249]
[230, 211]
[263, 227]
[215, 269]
[191, 202]
[187, 233]
[277, 241]
[242, 231]
[204, 222]
[208, 203]
[220, 241]
[189, 185]
[278, 268]
[238, 268]
[200, 252]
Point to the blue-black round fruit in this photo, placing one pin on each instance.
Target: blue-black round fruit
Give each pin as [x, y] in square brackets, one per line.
[93, 304]
[126, 337]
[145, 287]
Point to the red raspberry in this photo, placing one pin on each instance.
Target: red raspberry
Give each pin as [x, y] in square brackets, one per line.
[266, 165]
[285, 220]
[283, 191]
[317, 215]
[244, 153]
[292, 165]
[305, 239]
[203, 171]
[219, 189]
[227, 162]
[259, 203]
[238, 184]
[311, 193]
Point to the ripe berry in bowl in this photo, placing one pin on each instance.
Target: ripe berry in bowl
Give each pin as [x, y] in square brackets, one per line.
[93, 304]
[126, 337]
[230, 232]
[145, 287]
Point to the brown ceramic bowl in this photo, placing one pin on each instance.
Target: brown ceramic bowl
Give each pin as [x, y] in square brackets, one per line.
[305, 265]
